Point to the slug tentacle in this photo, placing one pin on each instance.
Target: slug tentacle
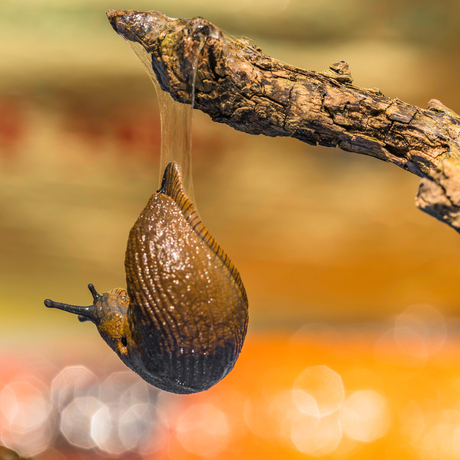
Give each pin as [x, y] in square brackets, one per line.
[96, 296]
[84, 313]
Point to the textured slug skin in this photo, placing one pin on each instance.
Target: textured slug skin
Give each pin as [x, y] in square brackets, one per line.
[188, 311]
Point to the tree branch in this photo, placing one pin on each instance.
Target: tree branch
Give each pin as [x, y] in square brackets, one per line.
[238, 85]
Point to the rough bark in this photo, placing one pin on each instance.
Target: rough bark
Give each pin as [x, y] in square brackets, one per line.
[237, 84]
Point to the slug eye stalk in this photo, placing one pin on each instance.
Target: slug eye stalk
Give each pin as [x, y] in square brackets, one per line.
[88, 313]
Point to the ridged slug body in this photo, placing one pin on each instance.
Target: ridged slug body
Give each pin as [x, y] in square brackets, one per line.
[182, 322]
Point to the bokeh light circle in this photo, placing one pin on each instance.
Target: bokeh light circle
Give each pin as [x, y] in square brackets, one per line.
[365, 416]
[321, 384]
[76, 421]
[203, 430]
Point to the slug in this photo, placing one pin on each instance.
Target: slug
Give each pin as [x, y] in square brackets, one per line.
[182, 321]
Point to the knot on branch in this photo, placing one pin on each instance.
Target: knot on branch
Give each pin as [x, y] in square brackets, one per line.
[339, 71]
[200, 44]
[436, 106]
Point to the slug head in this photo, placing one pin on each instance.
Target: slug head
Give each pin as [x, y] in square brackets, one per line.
[109, 314]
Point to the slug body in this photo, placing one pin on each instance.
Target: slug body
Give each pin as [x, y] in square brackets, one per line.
[183, 319]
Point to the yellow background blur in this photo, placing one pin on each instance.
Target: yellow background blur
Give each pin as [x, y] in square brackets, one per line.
[329, 244]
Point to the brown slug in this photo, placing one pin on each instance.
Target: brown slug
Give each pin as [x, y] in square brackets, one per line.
[181, 323]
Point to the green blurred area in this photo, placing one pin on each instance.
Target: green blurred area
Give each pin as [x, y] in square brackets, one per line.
[317, 234]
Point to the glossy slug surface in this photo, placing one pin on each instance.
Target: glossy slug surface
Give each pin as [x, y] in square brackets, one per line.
[188, 310]
[182, 322]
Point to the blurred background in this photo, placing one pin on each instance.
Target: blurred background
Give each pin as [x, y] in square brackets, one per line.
[353, 349]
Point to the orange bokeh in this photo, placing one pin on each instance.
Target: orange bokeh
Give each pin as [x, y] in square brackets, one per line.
[320, 392]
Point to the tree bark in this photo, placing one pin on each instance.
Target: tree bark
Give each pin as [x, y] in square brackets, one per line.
[237, 84]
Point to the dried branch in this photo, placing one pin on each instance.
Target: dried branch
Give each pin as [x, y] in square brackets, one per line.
[238, 85]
